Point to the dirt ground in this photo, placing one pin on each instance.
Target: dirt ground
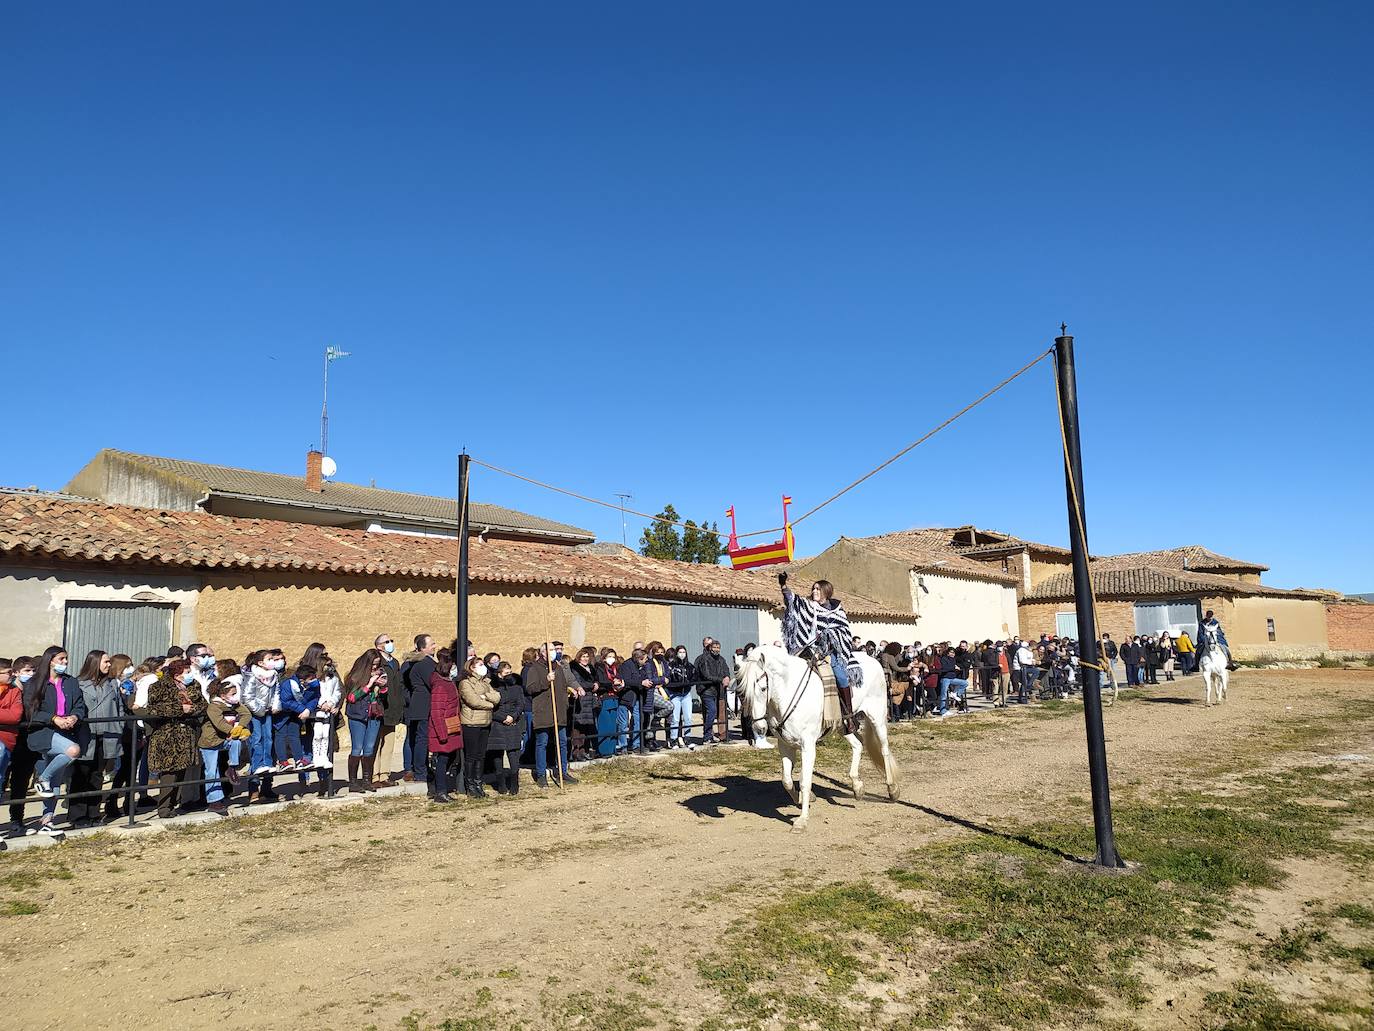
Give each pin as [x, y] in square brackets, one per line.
[393, 913]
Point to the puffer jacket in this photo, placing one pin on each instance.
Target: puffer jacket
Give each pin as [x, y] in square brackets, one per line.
[479, 700]
[258, 690]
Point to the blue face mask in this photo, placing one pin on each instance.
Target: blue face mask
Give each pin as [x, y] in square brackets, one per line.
[24, 678]
[59, 667]
[389, 647]
[188, 678]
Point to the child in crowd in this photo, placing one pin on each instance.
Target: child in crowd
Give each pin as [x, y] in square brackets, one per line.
[322, 743]
[299, 694]
[258, 691]
[223, 731]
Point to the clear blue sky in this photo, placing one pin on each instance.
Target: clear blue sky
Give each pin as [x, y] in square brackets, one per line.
[710, 253]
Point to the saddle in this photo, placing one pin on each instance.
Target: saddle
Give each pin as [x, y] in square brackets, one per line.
[832, 715]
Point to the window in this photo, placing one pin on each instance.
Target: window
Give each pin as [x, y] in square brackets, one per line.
[1269, 625]
[1006, 566]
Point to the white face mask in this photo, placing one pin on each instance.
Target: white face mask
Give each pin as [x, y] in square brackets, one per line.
[479, 670]
[279, 664]
[453, 673]
[128, 672]
[389, 647]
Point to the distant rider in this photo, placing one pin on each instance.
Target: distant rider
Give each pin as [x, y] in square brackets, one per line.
[1210, 622]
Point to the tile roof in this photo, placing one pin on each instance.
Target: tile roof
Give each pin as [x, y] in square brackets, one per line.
[1193, 557]
[87, 531]
[942, 538]
[348, 497]
[913, 547]
[1143, 581]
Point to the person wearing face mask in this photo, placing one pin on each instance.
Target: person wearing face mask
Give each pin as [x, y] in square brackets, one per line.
[479, 700]
[299, 694]
[130, 738]
[221, 731]
[657, 706]
[105, 743]
[609, 684]
[258, 693]
[175, 709]
[56, 714]
[713, 676]
[583, 710]
[22, 759]
[507, 727]
[202, 660]
[11, 715]
[680, 675]
[634, 671]
[393, 702]
[444, 730]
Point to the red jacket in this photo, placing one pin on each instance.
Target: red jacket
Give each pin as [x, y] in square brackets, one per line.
[11, 714]
[443, 703]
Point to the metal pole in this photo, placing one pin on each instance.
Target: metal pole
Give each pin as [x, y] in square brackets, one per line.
[462, 585]
[1082, 593]
[324, 409]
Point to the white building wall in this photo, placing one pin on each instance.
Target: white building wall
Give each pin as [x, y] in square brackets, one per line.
[953, 609]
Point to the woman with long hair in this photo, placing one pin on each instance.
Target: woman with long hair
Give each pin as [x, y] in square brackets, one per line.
[177, 708]
[479, 700]
[99, 680]
[444, 744]
[507, 725]
[365, 689]
[55, 712]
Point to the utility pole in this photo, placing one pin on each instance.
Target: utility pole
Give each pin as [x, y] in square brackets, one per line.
[331, 354]
[623, 498]
[1088, 644]
[462, 585]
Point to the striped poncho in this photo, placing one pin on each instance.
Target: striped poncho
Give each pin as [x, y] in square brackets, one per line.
[823, 627]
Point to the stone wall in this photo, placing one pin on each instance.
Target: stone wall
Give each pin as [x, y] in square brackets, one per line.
[238, 613]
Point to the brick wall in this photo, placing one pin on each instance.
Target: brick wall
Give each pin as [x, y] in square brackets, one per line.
[1114, 617]
[1350, 628]
[239, 613]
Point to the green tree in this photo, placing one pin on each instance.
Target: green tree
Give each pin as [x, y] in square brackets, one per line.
[661, 539]
[708, 547]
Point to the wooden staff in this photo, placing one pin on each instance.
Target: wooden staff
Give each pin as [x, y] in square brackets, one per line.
[553, 679]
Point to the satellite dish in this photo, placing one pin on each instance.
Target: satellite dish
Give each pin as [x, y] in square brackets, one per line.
[328, 467]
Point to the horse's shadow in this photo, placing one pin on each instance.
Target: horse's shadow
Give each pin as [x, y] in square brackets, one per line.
[1170, 700]
[739, 794]
[748, 795]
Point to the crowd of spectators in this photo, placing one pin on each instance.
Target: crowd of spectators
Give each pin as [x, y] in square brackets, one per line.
[196, 731]
[188, 730]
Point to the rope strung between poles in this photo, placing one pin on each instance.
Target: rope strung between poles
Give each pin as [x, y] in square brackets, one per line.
[914, 444]
[810, 512]
[595, 501]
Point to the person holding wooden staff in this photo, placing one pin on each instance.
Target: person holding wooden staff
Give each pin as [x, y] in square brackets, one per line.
[548, 684]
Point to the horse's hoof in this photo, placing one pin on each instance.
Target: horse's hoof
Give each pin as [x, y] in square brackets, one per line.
[894, 792]
[799, 824]
[858, 790]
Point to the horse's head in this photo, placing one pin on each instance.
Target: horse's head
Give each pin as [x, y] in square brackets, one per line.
[753, 685]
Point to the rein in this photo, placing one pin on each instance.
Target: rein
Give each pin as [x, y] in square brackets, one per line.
[796, 695]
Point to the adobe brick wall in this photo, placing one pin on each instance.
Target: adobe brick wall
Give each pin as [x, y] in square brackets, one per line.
[238, 613]
[1350, 628]
[1114, 617]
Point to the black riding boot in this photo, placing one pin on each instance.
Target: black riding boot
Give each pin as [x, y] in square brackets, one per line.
[847, 710]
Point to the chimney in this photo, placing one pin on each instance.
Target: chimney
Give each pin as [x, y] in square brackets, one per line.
[314, 470]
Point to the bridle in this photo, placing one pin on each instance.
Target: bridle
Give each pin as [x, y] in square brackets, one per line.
[796, 694]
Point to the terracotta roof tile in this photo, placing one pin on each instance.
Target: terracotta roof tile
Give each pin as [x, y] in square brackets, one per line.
[40, 526]
[1144, 581]
[1192, 557]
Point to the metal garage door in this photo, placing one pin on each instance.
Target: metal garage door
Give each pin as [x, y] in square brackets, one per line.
[732, 626]
[1172, 616]
[137, 630]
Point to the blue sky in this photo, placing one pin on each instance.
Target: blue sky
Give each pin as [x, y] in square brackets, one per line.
[712, 253]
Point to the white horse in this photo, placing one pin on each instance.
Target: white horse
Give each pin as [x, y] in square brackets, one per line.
[1211, 663]
[782, 692]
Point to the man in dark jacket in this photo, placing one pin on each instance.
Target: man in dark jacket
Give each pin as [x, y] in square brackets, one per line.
[639, 679]
[1110, 653]
[393, 711]
[713, 672]
[548, 685]
[416, 672]
[1130, 655]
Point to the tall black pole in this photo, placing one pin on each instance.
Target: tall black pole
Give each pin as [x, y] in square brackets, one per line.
[1082, 597]
[462, 638]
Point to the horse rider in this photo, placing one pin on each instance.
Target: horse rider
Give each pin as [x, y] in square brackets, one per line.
[1210, 622]
[816, 629]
